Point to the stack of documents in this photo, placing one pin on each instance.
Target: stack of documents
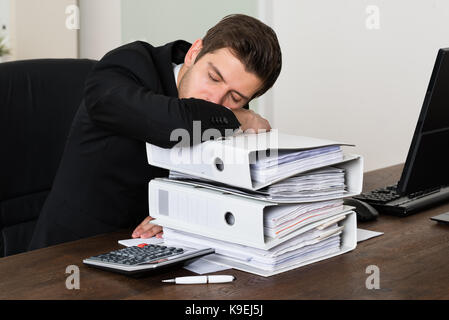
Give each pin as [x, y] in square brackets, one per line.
[282, 220]
[309, 186]
[266, 214]
[286, 162]
[317, 185]
[307, 246]
[254, 161]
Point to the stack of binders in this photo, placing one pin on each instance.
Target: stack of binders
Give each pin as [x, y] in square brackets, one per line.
[267, 203]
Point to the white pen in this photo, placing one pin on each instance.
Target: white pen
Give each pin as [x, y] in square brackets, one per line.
[201, 279]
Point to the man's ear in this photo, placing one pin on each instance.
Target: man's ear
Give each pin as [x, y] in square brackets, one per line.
[193, 52]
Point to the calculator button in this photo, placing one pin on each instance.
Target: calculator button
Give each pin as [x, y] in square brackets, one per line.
[139, 254]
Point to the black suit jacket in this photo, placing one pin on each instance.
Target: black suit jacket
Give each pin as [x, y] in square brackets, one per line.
[102, 181]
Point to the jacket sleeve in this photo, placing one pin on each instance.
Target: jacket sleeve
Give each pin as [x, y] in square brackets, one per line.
[120, 96]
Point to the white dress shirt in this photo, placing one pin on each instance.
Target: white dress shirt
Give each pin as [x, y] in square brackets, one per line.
[176, 68]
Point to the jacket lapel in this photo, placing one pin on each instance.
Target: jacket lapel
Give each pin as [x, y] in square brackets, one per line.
[164, 56]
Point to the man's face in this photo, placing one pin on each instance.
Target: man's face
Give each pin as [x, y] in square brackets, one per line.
[218, 77]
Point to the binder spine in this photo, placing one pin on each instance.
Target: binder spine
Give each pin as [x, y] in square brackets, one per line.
[203, 212]
[231, 166]
[224, 164]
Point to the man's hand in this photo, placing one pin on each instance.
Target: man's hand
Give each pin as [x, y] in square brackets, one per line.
[250, 120]
[147, 229]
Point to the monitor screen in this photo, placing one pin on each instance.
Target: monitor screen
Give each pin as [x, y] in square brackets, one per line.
[427, 164]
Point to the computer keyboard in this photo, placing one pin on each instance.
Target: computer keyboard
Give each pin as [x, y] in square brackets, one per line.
[387, 200]
[381, 195]
[144, 257]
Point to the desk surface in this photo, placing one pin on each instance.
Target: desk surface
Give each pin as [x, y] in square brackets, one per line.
[412, 257]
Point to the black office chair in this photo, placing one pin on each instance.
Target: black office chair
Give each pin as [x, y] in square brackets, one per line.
[38, 100]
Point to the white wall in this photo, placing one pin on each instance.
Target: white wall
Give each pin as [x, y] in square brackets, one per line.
[159, 22]
[107, 24]
[4, 16]
[38, 30]
[4, 27]
[100, 27]
[340, 79]
[343, 81]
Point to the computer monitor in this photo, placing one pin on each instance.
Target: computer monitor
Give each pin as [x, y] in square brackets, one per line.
[427, 164]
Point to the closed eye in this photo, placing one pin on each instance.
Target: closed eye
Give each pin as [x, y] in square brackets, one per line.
[236, 100]
[213, 78]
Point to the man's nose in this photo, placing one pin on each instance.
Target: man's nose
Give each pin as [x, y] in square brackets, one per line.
[216, 96]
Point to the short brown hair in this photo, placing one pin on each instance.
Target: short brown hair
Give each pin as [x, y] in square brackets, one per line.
[254, 43]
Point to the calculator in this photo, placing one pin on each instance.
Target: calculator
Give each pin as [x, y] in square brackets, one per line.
[145, 258]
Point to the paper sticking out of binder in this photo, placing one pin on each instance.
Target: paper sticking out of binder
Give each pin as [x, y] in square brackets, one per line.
[317, 185]
[266, 203]
[311, 246]
[252, 235]
[252, 161]
[222, 216]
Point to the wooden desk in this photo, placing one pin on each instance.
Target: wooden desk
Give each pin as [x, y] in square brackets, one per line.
[412, 256]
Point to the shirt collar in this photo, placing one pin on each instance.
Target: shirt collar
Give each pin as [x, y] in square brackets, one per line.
[176, 68]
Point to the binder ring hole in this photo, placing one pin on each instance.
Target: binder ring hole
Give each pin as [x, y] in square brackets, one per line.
[219, 164]
[229, 218]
